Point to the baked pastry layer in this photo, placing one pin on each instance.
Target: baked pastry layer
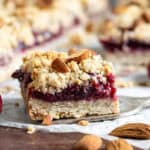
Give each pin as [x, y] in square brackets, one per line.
[58, 82]
[71, 109]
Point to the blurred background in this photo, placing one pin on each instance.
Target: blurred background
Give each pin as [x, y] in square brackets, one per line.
[119, 30]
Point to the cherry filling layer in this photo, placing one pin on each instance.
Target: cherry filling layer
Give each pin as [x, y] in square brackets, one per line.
[137, 45]
[111, 45]
[94, 89]
[148, 70]
[1, 104]
[132, 45]
[46, 36]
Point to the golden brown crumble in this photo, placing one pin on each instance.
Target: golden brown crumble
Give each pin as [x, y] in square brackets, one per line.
[52, 76]
[133, 16]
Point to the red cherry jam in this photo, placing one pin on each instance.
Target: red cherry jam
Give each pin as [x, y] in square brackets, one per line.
[93, 89]
[133, 45]
[1, 104]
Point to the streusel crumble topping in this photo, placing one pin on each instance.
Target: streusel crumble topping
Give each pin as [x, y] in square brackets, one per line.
[81, 66]
[136, 33]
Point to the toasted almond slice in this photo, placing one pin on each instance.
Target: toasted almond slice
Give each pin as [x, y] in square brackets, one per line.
[133, 130]
[59, 65]
[47, 120]
[80, 55]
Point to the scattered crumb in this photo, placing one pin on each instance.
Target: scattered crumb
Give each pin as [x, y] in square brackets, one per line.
[47, 120]
[124, 84]
[76, 39]
[31, 130]
[6, 89]
[83, 123]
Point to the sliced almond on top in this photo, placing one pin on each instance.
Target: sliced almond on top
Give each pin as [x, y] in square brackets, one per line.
[133, 130]
[59, 65]
[80, 55]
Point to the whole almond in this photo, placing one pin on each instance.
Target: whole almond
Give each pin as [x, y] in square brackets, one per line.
[47, 120]
[59, 65]
[133, 130]
[88, 142]
[80, 55]
[119, 144]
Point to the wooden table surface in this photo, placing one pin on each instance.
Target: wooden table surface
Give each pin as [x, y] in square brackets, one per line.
[18, 139]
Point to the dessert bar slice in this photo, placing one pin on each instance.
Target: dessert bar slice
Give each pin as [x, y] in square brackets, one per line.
[67, 85]
[126, 36]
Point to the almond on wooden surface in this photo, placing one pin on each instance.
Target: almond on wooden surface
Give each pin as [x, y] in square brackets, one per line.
[133, 130]
[88, 142]
[118, 144]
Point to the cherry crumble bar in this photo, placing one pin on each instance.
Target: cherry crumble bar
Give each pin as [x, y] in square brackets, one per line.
[27, 24]
[67, 85]
[126, 35]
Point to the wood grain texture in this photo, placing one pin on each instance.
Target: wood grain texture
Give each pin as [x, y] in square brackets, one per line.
[18, 139]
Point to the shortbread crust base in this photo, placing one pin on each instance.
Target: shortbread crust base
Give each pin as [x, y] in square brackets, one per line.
[37, 109]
